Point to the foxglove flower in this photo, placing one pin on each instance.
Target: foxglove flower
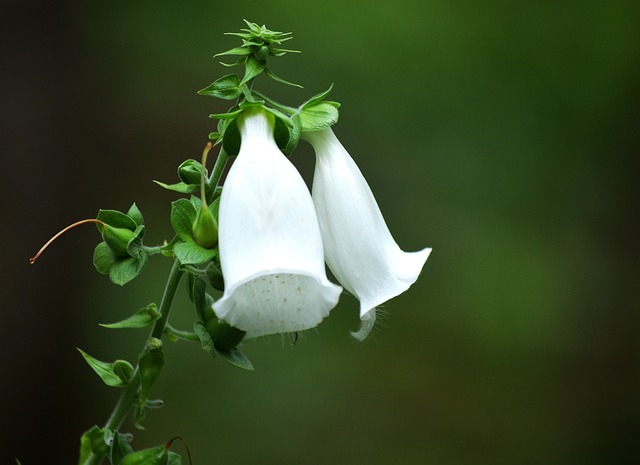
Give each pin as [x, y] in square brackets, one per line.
[271, 249]
[359, 248]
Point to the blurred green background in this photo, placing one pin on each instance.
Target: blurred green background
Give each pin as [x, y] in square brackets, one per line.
[503, 134]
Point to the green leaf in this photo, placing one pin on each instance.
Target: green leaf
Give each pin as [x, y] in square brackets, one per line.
[116, 219]
[190, 253]
[231, 138]
[183, 215]
[94, 441]
[316, 98]
[149, 367]
[224, 116]
[136, 215]
[119, 448]
[152, 456]
[253, 68]
[141, 319]
[214, 275]
[173, 458]
[112, 374]
[271, 75]
[286, 132]
[227, 87]
[236, 358]
[190, 171]
[104, 258]
[180, 187]
[240, 51]
[205, 339]
[126, 269]
[319, 116]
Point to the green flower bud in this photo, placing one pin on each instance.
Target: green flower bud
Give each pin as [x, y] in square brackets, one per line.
[190, 172]
[117, 239]
[205, 228]
[262, 53]
[224, 336]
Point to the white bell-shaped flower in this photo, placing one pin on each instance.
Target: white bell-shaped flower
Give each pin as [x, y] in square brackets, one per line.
[359, 248]
[271, 249]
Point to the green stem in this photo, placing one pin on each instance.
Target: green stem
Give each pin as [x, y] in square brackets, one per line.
[216, 174]
[130, 393]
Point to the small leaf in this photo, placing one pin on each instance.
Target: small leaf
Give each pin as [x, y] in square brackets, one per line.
[104, 258]
[240, 51]
[180, 187]
[253, 68]
[183, 215]
[214, 275]
[119, 448]
[227, 87]
[94, 441]
[106, 371]
[236, 358]
[116, 219]
[316, 98]
[136, 215]
[152, 456]
[149, 367]
[141, 319]
[205, 339]
[270, 74]
[190, 253]
[126, 269]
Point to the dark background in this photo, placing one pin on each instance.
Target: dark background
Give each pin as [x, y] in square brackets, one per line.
[503, 134]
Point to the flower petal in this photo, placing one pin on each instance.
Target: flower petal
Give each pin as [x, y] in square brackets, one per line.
[359, 248]
[271, 250]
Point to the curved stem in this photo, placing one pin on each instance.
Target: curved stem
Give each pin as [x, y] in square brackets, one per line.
[130, 393]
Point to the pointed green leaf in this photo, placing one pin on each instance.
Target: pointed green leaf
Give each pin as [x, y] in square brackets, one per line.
[94, 441]
[253, 68]
[205, 339]
[149, 367]
[124, 270]
[236, 358]
[180, 187]
[119, 448]
[227, 87]
[190, 253]
[136, 215]
[173, 458]
[183, 215]
[112, 374]
[104, 258]
[152, 456]
[271, 75]
[116, 219]
[240, 51]
[317, 98]
[141, 319]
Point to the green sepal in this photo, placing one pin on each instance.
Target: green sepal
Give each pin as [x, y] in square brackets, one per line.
[318, 116]
[227, 88]
[120, 447]
[116, 374]
[149, 367]
[225, 337]
[271, 75]
[231, 137]
[253, 67]
[104, 258]
[141, 319]
[94, 441]
[160, 455]
[233, 355]
[214, 275]
[286, 131]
